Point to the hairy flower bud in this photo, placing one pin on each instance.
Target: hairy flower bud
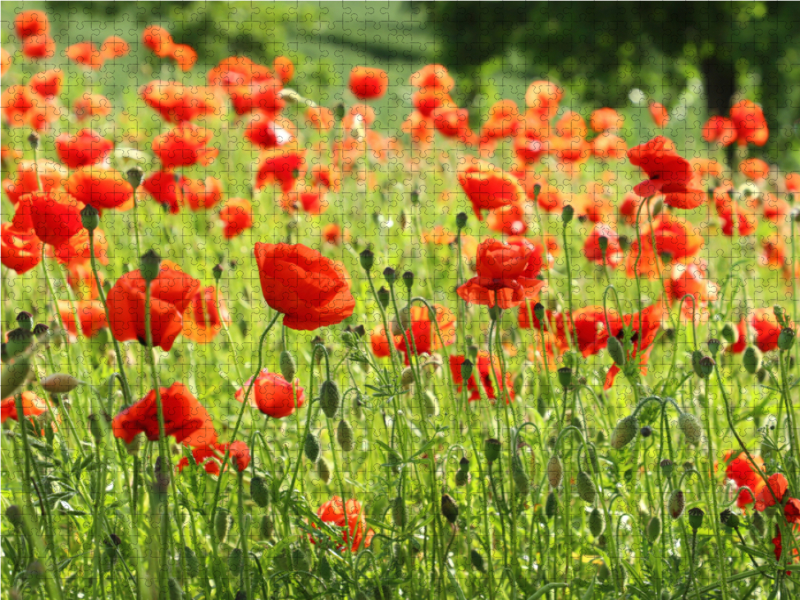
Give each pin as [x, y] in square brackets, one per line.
[691, 428]
[625, 432]
[259, 491]
[555, 471]
[586, 488]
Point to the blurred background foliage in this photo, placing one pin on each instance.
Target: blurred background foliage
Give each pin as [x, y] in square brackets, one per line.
[693, 57]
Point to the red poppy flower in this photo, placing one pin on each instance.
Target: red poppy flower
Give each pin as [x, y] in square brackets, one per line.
[508, 220]
[184, 146]
[504, 121]
[454, 123]
[47, 83]
[82, 281]
[736, 221]
[165, 187]
[184, 56]
[20, 249]
[237, 215]
[56, 216]
[91, 105]
[177, 103]
[91, 314]
[266, 131]
[284, 68]
[39, 46]
[237, 70]
[751, 126]
[263, 96]
[792, 511]
[368, 83]
[487, 187]
[184, 418]
[775, 209]
[32, 406]
[85, 54]
[5, 61]
[773, 490]
[767, 329]
[605, 119]
[659, 114]
[311, 291]
[543, 98]
[281, 166]
[691, 280]
[310, 199]
[273, 395]
[668, 173]
[428, 99]
[100, 187]
[350, 518]
[504, 276]
[719, 129]
[210, 457]
[645, 326]
[774, 254]
[204, 316]
[483, 370]
[422, 334]
[84, 149]
[332, 234]
[171, 291]
[593, 252]
[608, 146]
[591, 330]
[31, 22]
[17, 101]
[158, 40]
[745, 474]
[320, 118]
[114, 47]
[201, 194]
[741, 341]
[673, 236]
[754, 168]
[434, 76]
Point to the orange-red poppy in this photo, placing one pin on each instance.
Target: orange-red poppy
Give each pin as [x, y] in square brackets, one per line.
[177, 103]
[91, 314]
[434, 76]
[165, 187]
[593, 251]
[281, 166]
[184, 418]
[5, 61]
[736, 221]
[171, 291]
[205, 315]
[668, 173]
[772, 492]
[284, 68]
[310, 290]
[767, 329]
[184, 56]
[266, 131]
[488, 371]
[691, 280]
[506, 275]
[201, 194]
[608, 146]
[543, 98]
[114, 47]
[745, 474]
[39, 46]
[32, 406]
[332, 234]
[210, 457]
[262, 95]
[273, 395]
[91, 105]
[645, 326]
[21, 249]
[454, 123]
[85, 54]
[158, 40]
[17, 101]
[29, 173]
[100, 187]
[754, 168]
[320, 118]
[428, 99]
[487, 187]
[237, 70]
[367, 83]
[606, 119]
[237, 215]
[183, 146]
[590, 332]
[673, 236]
[751, 126]
[350, 518]
[659, 114]
[82, 280]
[56, 216]
[47, 83]
[76, 249]
[422, 335]
[31, 22]
[509, 220]
[85, 148]
[719, 129]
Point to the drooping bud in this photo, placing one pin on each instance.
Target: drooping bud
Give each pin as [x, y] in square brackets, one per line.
[135, 177]
[323, 470]
[616, 351]
[729, 519]
[555, 471]
[311, 447]
[625, 432]
[399, 512]
[538, 311]
[466, 370]
[236, 561]
[288, 366]
[329, 398]
[222, 523]
[259, 491]
[751, 359]
[551, 505]
[344, 435]
[653, 529]
[97, 427]
[190, 562]
[729, 334]
[491, 450]
[597, 522]
[476, 558]
[59, 383]
[586, 488]
[449, 508]
[691, 428]
[407, 377]
[786, 339]
[519, 476]
[266, 528]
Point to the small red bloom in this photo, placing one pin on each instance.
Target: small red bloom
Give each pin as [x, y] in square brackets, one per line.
[772, 493]
[673, 236]
[177, 103]
[261, 96]
[204, 316]
[751, 126]
[237, 215]
[184, 146]
[767, 329]
[85, 54]
[350, 518]
[487, 187]
[487, 371]
[668, 173]
[47, 83]
[56, 216]
[281, 166]
[32, 406]
[592, 250]
[367, 83]
[645, 326]
[31, 22]
[284, 68]
[159, 40]
[39, 46]
[86, 148]
[114, 47]
[659, 113]
[91, 105]
[691, 280]
[719, 129]
[211, 456]
[91, 314]
[273, 395]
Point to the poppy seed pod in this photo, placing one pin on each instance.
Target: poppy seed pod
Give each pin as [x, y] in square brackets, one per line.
[311, 447]
[259, 491]
[707, 366]
[90, 218]
[323, 470]
[449, 508]
[150, 264]
[408, 280]
[567, 213]
[222, 523]
[586, 488]
[555, 471]
[786, 339]
[729, 519]
[461, 220]
[384, 297]
[476, 558]
[713, 346]
[288, 366]
[462, 478]
[729, 334]
[407, 377]
[751, 359]
[616, 351]
[624, 432]
[135, 177]
[667, 467]
[565, 377]
[399, 512]
[491, 449]
[463, 465]
[25, 320]
[691, 428]
[344, 435]
[390, 275]
[696, 518]
[538, 311]
[466, 369]
[367, 260]
[677, 502]
[329, 398]
[697, 356]
[551, 505]
[597, 522]
[653, 529]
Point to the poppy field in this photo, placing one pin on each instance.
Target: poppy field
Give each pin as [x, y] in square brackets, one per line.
[269, 334]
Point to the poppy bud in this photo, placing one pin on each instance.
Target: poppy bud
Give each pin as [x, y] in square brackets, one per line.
[323, 470]
[597, 522]
[677, 502]
[751, 359]
[35, 572]
[603, 572]
[477, 561]
[586, 488]
[311, 447]
[466, 370]
[59, 383]
[713, 346]
[624, 243]
[367, 259]
[707, 366]
[780, 314]
[33, 140]
[217, 271]
[519, 476]
[624, 432]
[390, 275]
[602, 241]
[384, 297]
[538, 311]
[90, 218]
[688, 466]
[288, 366]
[408, 280]
[697, 356]
[567, 213]
[13, 376]
[150, 265]
[266, 529]
[25, 320]
[19, 340]
[14, 515]
[329, 398]
[616, 351]
[551, 505]
[667, 467]
[222, 524]
[786, 339]
[691, 428]
[399, 512]
[449, 508]
[461, 221]
[407, 377]
[463, 465]
[565, 377]
[190, 562]
[96, 427]
[555, 471]
[658, 207]
[135, 177]
[462, 478]
[646, 431]
[136, 444]
[761, 375]
[491, 449]
[729, 334]
[344, 435]
[653, 529]
[495, 313]
[759, 524]
[259, 491]
[235, 561]
[240, 595]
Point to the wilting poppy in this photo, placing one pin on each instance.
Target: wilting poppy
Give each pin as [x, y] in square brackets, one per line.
[751, 126]
[85, 54]
[593, 251]
[772, 492]
[273, 395]
[669, 174]
[487, 187]
[691, 280]
[56, 216]
[368, 83]
[767, 329]
[32, 406]
[645, 326]
[91, 314]
[204, 316]
[590, 332]
[504, 275]
[210, 457]
[281, 166]
[487, 376]
[310, 290]
[91, 105]
[350, 518]
[31, 22]
[605, 119]
[171, 291]
[673, 236]
[659, 114]
[47, 83]
[85, 148]
[100, 187]
[177, 103]
[237, 215]
[184, 146]
[184, 418]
